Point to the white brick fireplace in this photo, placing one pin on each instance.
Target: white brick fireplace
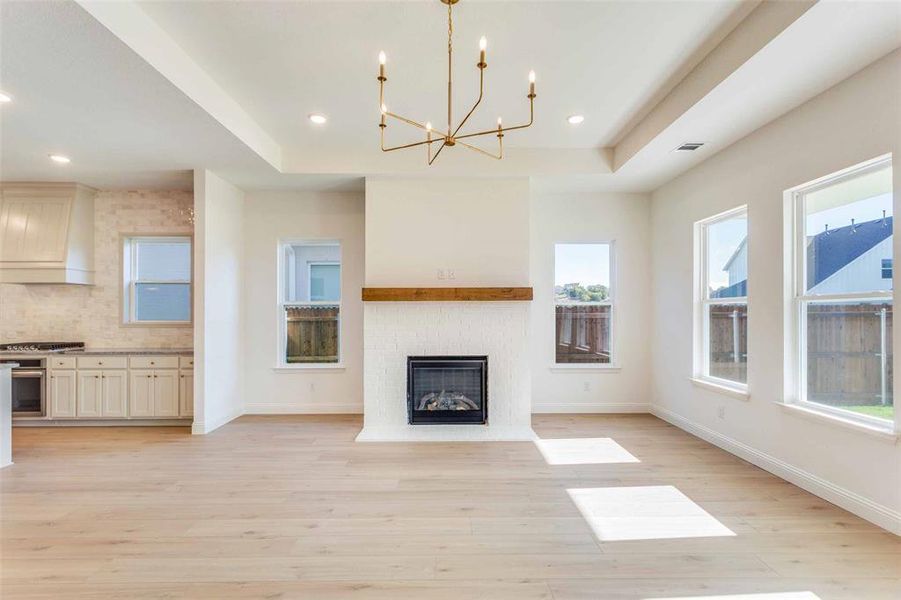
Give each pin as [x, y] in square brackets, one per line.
[392, 331]
[446, 233]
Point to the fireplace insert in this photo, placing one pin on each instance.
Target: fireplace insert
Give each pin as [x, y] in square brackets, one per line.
[447, 390]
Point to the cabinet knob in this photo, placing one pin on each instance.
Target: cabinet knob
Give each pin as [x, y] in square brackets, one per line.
[96, 376]
[152, 363]
[99, 362]
[149, 376]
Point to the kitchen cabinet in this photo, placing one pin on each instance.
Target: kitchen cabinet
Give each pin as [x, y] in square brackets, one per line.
[90, 394]
[102, 394]
[153, 393]
[115, 394]
[62, 394]
[186, 393]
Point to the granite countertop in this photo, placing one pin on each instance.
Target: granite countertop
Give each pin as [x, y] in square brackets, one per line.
[103, 352]
[127, 351]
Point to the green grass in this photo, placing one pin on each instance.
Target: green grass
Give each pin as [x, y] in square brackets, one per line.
[883, 412]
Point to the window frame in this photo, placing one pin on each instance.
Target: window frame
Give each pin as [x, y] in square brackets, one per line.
[703, 301]
[281, 363]
[611, 302]
[800, 299]
[128, 260]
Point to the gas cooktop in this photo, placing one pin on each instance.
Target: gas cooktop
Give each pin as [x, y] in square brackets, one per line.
[40, 347]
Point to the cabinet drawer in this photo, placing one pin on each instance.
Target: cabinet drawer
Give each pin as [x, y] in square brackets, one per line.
[61, 362]
[186, 362]
[154, 362]
[102, 362]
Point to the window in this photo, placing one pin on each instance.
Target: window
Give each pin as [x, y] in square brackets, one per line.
[583, 298]
[723, 293]
[157, 280]
[843, 298]
[310, 303]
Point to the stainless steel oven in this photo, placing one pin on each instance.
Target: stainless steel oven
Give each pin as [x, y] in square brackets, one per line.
[29, 387]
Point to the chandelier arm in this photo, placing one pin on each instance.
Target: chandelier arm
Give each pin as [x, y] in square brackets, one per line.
[413, 145]
[503, 129]
[443, 144]
[481, 90]
[480, 151]
[406, 120]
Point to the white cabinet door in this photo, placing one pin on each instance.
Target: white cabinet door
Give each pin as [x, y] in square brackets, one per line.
[140, 393]
[165, 393]
[62, 394]
[186, 394]
[115, 394]
[90, 394]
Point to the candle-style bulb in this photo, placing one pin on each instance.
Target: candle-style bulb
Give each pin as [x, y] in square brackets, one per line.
[384, 108]
[483, 43]
[382, 57]
[428, 125]
[499, 122]
[531, 76]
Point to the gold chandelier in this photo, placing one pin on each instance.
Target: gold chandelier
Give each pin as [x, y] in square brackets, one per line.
[452, 136]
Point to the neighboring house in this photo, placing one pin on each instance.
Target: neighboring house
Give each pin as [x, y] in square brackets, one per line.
[839, 261]
[842, 261]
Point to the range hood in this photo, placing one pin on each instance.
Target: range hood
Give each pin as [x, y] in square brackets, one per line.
[46, 233]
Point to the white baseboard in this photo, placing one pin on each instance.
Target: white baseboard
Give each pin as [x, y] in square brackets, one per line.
[589, 407]
[204, 427]
[325, 408]
[864, 508]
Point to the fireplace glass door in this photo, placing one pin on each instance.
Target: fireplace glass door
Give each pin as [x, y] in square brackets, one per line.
[447, 389]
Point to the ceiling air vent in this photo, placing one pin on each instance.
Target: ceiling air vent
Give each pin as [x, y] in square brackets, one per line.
[689, 146]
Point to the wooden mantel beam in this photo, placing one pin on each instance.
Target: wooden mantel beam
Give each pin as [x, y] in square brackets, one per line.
[447, 294]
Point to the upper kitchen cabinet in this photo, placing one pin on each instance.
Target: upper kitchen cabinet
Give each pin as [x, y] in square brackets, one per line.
[46, 233]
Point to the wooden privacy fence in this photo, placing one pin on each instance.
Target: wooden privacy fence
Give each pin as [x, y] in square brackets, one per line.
[312, 334]
[583, 333]
[728, 334]
[849, 354]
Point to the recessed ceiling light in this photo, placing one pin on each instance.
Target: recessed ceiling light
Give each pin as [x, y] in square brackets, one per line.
[59, 158]
[318, 119]
[575, 119]
[4, 98]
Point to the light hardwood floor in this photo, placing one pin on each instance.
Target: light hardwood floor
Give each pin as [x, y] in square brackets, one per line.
[291, 507]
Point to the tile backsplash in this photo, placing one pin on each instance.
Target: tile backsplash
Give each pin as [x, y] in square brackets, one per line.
[92, 314]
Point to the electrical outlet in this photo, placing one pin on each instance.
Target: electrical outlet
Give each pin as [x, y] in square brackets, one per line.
[451, 274]
[586, 386]
[441, 274]
[721, 412]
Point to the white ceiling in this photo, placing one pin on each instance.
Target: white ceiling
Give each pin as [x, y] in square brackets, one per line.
[130, 118]
[284, 60]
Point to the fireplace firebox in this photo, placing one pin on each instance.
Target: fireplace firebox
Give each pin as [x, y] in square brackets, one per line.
[447, 390]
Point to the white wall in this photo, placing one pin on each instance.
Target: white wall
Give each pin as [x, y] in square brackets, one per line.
[479, 229]
[625, 220]
[852, 122]
[218, 302]
[269, 217]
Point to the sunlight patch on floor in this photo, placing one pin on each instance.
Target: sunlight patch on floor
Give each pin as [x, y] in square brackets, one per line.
[583, 451]
[770, 596]
[644, 513]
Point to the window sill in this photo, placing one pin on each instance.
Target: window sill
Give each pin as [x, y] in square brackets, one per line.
[735, 392]
[583, 368]
[885, 433]
[311, 367]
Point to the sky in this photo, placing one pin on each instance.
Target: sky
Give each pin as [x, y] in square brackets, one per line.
[723, 239]
[587, 264]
